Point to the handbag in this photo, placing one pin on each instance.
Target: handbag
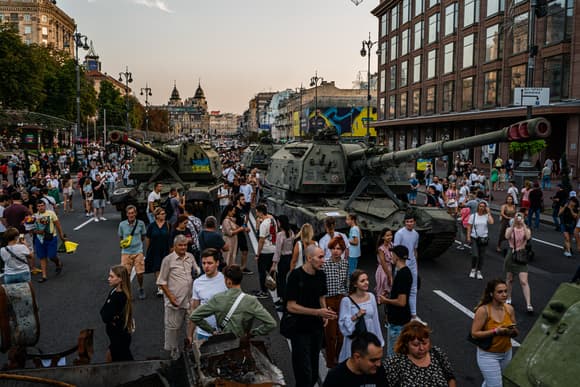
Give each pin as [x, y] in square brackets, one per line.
[484, 343]
[519, 256]
[126, 242]
[270, 282]
[15, 256]
[481, 241]
[360, 327]
[288, 325]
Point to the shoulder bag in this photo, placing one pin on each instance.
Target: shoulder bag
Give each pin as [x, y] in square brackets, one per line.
[288, 325]
[481, 241]
[519, 256]
[126, 242]
[360, 327]
[15, 256]
[228, 317]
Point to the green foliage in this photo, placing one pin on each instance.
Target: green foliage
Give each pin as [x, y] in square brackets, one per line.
[531, 147]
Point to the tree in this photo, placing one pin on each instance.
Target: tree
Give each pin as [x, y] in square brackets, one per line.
[110, 98]
[158, 120]
[530, 147]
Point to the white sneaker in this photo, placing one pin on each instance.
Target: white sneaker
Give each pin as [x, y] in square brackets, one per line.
[479, 275]
[472, 273]
[508, 301]
[567, 254]
[96, 220]
[416, 318]
[103, 218]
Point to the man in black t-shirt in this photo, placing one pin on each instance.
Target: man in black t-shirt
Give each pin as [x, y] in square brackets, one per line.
[398, 310]
[558, 201]
[363, 368]
[209, 237]
[242, 221]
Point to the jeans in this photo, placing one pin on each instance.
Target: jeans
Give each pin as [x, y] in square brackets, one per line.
[477, 253]
[412, 265]
[17, 278]
[393, 332]
[555, 216]
[546, 182]
[305, 355]
[491, 365]
[352, 264]
[150, 217]
[264, 265]
[531, 212]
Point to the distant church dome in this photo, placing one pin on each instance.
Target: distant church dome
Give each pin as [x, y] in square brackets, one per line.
[175, 94]
[199, 93]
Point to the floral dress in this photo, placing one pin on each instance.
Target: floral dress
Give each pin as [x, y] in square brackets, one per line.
[380, 275]
[401, 371]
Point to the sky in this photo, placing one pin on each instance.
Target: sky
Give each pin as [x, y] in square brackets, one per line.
[236, 48]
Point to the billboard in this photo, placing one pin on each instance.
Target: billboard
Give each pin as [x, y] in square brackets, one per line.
[348, 121]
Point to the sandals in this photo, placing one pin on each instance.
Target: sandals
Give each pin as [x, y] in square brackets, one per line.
[58, 269]
[41, 280]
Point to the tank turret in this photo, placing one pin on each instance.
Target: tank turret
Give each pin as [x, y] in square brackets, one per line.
[258, 155]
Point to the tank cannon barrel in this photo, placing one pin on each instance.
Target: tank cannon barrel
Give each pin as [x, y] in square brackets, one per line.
[372, 159]
[122, 138]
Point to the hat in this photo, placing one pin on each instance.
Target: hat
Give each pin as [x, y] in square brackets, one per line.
[35, 189]
[401, 251]
[572, 194]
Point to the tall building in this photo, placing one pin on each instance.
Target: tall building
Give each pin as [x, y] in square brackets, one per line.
[223, 124]
[189, 117]
[448, 70]
[39, 22]
[92, 65]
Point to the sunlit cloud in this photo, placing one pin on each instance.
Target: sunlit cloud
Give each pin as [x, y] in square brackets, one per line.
[159, 4]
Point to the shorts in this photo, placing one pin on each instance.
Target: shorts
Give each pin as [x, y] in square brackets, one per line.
[412, 195]
[567, 228]
[17, 278]
[99, 203]
[242, 242]
[131, 261]
[46, 249]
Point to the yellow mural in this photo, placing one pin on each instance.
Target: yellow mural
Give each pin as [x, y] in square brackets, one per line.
[348, 121]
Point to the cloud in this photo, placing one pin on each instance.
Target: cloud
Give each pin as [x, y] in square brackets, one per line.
[159, 4]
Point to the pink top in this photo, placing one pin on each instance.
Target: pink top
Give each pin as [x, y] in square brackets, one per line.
[451, 194]
[388, 255]
[520, 237]
[465, 213]
[525, 194]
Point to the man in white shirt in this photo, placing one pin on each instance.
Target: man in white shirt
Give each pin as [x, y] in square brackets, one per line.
[329, 226]
[224, 196]
[266, 246]
[246, 189]
[153, 201]
[230, 173]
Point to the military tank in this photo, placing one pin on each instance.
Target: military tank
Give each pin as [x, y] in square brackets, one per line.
[258, 155]
[309, 181]
[194, 169]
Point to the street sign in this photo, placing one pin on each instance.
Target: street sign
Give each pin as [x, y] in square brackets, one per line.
[491, 149]
[531, 96]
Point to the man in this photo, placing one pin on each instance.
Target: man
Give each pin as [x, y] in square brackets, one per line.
[99, 197]
[243, 315]
[329, 226]
[536, 198]
[153, 201]
[175, 280]
[45, 241]
[398, 308]
[474, 177]
[224, 196]
[408, 237]
[513, 191]
[132, 255]
[363, 368]
[174, 202]
[194, 226]
[209, 237]
[266, 246]
[205, 287]
[305, 297]
[438, 186]
[558, 200]
[246, 189]
[14, 216]
[229, 173]
[241, 221]
[546, 177]
[48, 200]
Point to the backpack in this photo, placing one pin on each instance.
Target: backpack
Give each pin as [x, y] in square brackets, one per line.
[168, 207]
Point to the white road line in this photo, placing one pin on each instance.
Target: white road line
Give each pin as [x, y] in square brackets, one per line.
[83, 224]
[462, 308]
[548, 243]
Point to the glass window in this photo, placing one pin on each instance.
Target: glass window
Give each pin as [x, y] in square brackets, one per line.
[382, 112]
[394, 50]
[384, 29]
[404, 73]
[395, 17]
[27, 30]
[431, 100]
[431, 64]
[518, 78]
[449, 59]
[520, 35]
[383, 53]
[467, 96]
[405, 42]
[433, 3]
[44, 18]
[383, 81]
[418, 7]
[417, 69]
[494, 7]
[403, 105]
[559, 21]
[392, 106]
[433, 33]
[393, 78]
[493, 43]
[557, 76]
[448, 96]
[27, 17]
[44, 30]
[451, 19]
[406, 11]
[468, 50]
[418, 36]
[491, 88]
[470, 12]
[416, 108]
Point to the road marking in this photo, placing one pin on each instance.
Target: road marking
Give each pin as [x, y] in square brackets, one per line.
[548, 243]
[462, 308]
[83, 224]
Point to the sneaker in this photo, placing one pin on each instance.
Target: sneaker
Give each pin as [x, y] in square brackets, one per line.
[159, 292]
[247, 271]
[35, 271]
[87, 215]
[416, 318]
[479, 275]
[142, 294]
[530, 309]
[567, 254]
[460, 247]
[96, 220]
[472, 273]
[103, 218]
[508, 301]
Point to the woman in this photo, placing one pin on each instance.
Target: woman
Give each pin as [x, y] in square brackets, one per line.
[451, 196]
[282, 258]
[360, 303]
[568, 218]
[354, 240]
[182, 229]
[117, 314]
[478, 236]
[432, 197]
[507, 212]
[88, 193]
[303, 240]
[517, 236]
[230, 231]
[494, 318]
[384, 273]
[336, 270]
[67, 192]
[17, 258]
[157, 244]
[414, 187]
[525, 197]
[416, 362]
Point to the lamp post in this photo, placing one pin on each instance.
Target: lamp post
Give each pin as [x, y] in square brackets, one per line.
[314, 82]
[128, 79]
[80, 41]
[367, 45]
[300, 90]
[147, 92]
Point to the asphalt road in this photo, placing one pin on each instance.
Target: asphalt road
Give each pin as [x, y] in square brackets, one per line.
[71, 302]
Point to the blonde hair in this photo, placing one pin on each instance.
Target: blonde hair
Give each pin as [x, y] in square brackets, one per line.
[306, 234]
[121, 272]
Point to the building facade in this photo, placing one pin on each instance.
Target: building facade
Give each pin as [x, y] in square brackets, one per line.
[189, 117]
[448, 69]
[223, 124]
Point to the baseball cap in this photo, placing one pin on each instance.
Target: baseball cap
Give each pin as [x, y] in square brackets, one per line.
[401, 251]
[572, 194]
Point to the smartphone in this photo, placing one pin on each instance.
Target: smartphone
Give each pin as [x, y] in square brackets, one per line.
[512, 326]
[21, 237]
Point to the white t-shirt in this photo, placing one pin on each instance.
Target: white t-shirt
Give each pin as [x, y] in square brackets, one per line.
[513, 191]
[153, 196]
[205, 288]
[246, 189]
[479, 223]
[223, 192]
[268, 247]
[409, 239]
[13, 265]
[323, 244]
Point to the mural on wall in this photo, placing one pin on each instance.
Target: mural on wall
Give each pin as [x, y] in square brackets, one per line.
[347, 121]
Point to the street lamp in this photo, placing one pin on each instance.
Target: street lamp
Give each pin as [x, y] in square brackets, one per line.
[80, 41]
[300, 90]
[128, 79]
[367, 45]
[147, 92]
[314, 82]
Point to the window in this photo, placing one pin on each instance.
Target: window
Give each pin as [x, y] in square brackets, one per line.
[405, 11]
[384, 24]
[557, 76]
[404, 73]
[403, 105]
[44, 30]
[383, 53]
[395, 17]
[418, 7]
[383, 81]
[491, 88]
[520, 35]
[417, 69]
[518, 79]
[467, 96]
[431, 64]
[392, 106]
[394, 50]
[27, 30]
[448, 96]
[405, 42]
[494, 7]
[418, 36]
[433, 32]
[449, 58]
[44, 18]
[470, 12]
[393, 77]
[559, 21]
[383, 113]
[468, 50]
[433, 3]
[431, 100]
[416, 107]
[451, 19]
[493, 43]
[27, 18]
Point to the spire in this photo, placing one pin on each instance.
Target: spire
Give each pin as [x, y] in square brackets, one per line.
[175, 94]
[91, 53]
[199, 94]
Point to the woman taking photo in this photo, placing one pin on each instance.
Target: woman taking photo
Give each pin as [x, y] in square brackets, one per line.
[360, 304]
[230, 231]
[517, 236]
[303, 240]
[416, 362]
[157, 244]
[478, 236]
[384, 273]
[507, 213]
[496, 319]
[117, 314]
[17, 258]
[568, 217]
[282, 258]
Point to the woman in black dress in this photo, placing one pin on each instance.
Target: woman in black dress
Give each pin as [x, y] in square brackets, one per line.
[117, 314]
[157, 244]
